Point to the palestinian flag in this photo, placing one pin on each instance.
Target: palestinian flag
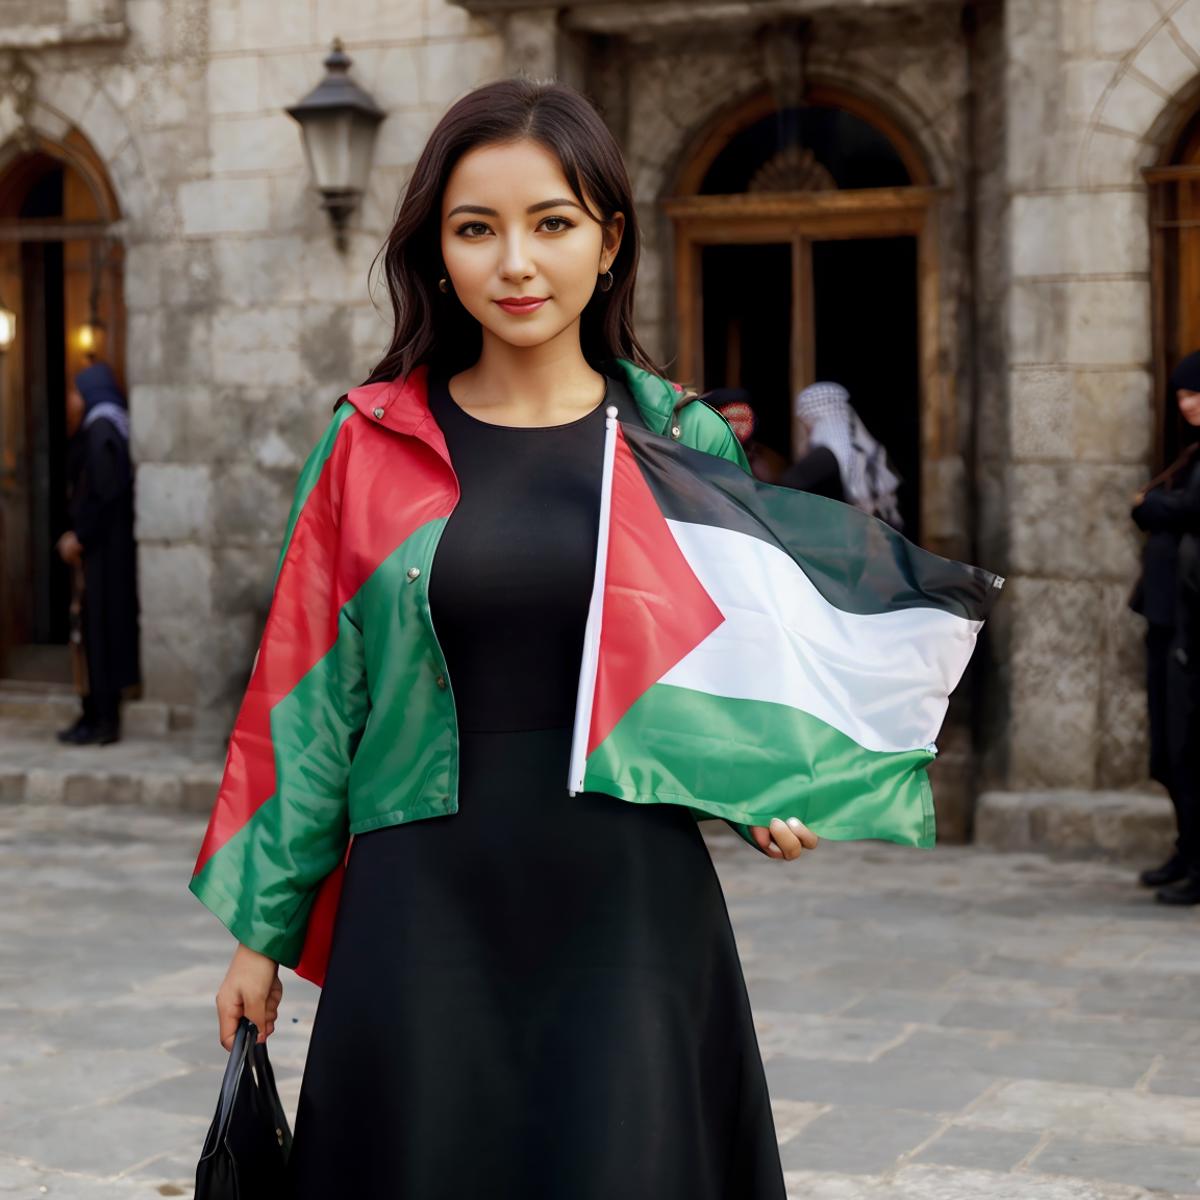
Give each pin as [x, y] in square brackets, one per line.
[756, 652]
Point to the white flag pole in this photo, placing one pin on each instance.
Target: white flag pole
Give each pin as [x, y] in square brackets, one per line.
[590, 662]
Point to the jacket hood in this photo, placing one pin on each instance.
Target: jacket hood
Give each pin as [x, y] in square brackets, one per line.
[402, 405]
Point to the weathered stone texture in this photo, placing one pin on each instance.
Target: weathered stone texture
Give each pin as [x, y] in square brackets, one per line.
[245, 323]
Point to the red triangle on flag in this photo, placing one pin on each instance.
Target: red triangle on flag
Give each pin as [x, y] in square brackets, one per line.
[655, 608]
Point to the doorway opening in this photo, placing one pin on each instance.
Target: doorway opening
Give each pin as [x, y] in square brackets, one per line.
[1175, 250]
[60, 281]
[866, 337]
[747, 320]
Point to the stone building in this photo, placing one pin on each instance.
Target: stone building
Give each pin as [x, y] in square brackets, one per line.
[973, 212]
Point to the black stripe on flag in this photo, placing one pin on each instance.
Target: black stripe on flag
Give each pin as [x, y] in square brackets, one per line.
[857, 562]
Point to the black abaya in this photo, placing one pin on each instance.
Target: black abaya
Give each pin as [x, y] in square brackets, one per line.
[101, 513]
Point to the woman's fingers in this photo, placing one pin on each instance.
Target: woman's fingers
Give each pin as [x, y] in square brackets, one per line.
[792, 837]
[228, 1015]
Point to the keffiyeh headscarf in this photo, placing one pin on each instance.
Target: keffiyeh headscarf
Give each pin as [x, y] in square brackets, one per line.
[868, 480]
[102, 398]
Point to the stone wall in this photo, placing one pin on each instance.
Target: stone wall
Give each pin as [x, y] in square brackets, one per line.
[1092, 87]
[245, 323]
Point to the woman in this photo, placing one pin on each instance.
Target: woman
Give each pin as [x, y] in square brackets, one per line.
[101, 538]
[1168, 596]
[843, 461]
[527, 994]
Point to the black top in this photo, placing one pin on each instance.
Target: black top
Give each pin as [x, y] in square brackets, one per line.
[496, 597]
[817, 472]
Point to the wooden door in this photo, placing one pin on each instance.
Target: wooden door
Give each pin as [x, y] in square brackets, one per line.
[805, 223]
[1175, 253]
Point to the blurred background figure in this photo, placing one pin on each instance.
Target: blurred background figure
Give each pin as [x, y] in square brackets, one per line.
[734, 405]
[100, 540]
[1168, 595]
[843, 456]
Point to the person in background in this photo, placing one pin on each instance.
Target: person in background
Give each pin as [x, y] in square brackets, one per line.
[100, 477]
[1168, 596]
[835, 432]
[733, 404]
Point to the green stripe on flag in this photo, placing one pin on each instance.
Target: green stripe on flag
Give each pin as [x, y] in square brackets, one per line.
[749, 760]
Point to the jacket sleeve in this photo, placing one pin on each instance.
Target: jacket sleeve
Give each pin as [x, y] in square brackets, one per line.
[279, 825]
[706, 429]
[1174, 511]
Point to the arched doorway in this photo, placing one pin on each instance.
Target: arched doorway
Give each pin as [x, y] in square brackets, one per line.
[804, 251]
[1175, 249]
[60, 275]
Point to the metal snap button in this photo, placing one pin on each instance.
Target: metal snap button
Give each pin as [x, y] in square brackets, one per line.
[413, 573]
[378, 413]
[675, 431]
[441, 682]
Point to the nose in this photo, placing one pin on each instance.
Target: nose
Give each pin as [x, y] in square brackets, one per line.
[516, 262]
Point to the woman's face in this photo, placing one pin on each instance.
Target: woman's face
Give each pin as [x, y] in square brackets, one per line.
[512, 229]
[1189, 405]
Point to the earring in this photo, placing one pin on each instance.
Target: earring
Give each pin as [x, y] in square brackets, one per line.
[443, 284]
[606, 281]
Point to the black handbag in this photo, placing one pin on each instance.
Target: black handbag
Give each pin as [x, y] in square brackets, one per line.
[245, 1153]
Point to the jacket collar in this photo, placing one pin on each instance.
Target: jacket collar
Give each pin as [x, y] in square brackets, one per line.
[402, 405]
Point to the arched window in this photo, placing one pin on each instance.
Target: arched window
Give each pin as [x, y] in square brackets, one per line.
[815, 148]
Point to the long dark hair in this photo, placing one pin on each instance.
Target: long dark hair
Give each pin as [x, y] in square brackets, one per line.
[434, 327]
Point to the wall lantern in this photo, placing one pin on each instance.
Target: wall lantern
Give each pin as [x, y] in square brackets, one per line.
[91, 337]
[338, 122]
[8, 327]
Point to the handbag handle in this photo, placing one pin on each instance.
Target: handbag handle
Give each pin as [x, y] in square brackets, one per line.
[245, 1037]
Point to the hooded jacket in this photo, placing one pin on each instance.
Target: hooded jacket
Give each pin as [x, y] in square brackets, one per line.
[348, 722]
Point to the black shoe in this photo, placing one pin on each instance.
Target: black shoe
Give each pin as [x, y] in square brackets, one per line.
[107, 732]
[68, 734]
[1172, 871]
[1187, 891]
[80, 734]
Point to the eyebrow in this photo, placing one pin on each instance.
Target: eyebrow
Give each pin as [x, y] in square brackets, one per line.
[491, 212]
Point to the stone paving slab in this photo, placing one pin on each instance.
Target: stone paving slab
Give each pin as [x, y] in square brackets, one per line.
[1123, 826]
[955, 1024]
[156, 770]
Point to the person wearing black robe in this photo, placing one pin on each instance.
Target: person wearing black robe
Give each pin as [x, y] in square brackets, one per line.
[1168, 596]
[100, 477]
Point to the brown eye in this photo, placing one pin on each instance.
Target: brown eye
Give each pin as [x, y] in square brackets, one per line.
[562, 221]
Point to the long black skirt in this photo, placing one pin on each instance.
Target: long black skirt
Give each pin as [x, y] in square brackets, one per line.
[538, 998]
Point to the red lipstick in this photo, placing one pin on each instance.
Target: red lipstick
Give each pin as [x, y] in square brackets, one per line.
[521, 304]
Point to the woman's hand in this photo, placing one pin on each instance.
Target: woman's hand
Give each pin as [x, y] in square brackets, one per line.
[784, 839]
[252, 989]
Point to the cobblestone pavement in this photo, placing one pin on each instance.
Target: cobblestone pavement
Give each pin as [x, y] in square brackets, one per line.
[954, 1024]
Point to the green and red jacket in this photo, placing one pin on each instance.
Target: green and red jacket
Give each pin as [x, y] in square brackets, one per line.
[348, 721]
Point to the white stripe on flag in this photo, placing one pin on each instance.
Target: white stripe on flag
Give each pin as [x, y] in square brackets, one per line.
[882, 679]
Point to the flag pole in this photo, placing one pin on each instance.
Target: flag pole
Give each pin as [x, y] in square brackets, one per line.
[590, 661]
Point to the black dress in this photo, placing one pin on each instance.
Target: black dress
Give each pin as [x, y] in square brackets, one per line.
[538, 997]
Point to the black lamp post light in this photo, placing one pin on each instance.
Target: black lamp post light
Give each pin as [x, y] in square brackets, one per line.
[338, 121]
